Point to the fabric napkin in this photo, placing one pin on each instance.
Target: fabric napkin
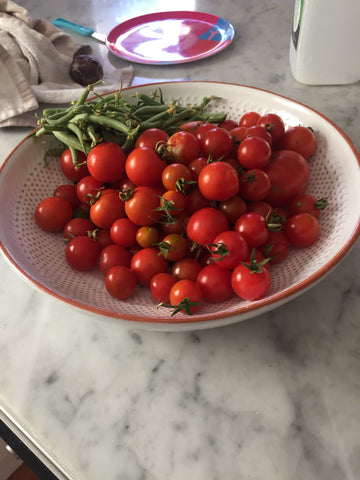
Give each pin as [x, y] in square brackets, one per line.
[35, 58]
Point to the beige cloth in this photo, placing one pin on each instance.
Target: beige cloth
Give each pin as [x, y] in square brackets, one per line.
[35, 58]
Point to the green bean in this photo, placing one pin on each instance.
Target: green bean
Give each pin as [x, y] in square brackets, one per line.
[150, 110]
[68, 139]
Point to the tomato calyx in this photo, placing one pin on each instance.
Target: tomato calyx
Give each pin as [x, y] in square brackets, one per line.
[126, 194]
[182, 184]
[166, 208]
[321, 204]
[253, 265]
[185, 305]
[219, 249]
[275, 222]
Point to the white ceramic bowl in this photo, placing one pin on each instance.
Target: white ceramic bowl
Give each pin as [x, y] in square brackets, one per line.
[39, 256]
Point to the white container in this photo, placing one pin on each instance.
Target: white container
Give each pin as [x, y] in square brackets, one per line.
[325, 42]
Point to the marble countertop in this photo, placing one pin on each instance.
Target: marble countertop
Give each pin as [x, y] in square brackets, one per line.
[274, 397]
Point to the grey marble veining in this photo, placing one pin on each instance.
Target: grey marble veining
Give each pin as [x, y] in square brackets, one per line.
[275, 397]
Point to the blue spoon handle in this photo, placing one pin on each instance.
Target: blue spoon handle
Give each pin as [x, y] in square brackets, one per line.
[62, 22]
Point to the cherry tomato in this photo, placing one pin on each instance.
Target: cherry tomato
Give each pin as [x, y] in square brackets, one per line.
[160, 286]
[307, 203]
[215, 283]
[191, 126]
[82, 253]
[205, 224]
[254, 152]
[68, 193]
[183, 147]
[113, 255]
[249, 119]
[123, 232]
[233, 208]
[146, 236]
[254, 185]
[88, 189]
[120, 282]
[228, 249]
[106, 162]
[203, 129]
[275, 126]
[276, 247]
[108, 208]
[70, 170]
[259, 131]
[173, 173]
[186, 268]
[175, 225]
[174, 202]
[102, 237]
[260, 206]
[218, 181]
[300, 139]
[253, 228]
[142, 207]
[302, 230]
[228, 124]
[151, 138]
[218, 143]
[186, 295]
[52, 214]
[289, 176]
[250, 284]
[196, 200]
[238, 134]
[76, 227]
[173, 247]
[146, 263]
[144, 167]
[196, 165]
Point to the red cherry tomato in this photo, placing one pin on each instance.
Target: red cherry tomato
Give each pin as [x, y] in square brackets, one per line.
[123, 232]
[218, 143]
[144, 167]
[289, 176]
[300, 139]
[52, 214]
[254, 152]
[228, 249]
[302, 230]
[106, 162]
[142, 207]
[254, 185]
[108, 208]
[186, 295]
[68, 193]
[120, 282]
[146, 263]
[82, 253]
[186, 268]
[112, 256]
[218, 181]
[76, 227]
[250, 285]
[183, 147]
[249, 119]
[151, 138]
[205, 224]
[72, 171]
[253, 228]
[215, 283]
[160, 286]
[275, 126]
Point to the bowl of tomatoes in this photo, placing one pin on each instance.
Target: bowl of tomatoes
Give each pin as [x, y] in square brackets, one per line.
[196, 224]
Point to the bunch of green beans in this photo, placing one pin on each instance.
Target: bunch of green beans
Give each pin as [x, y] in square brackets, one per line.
[85, 123]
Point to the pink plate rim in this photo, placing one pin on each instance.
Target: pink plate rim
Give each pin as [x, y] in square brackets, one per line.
[208, 18]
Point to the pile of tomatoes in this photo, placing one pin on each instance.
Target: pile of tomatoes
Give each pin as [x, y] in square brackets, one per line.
[200, 214]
